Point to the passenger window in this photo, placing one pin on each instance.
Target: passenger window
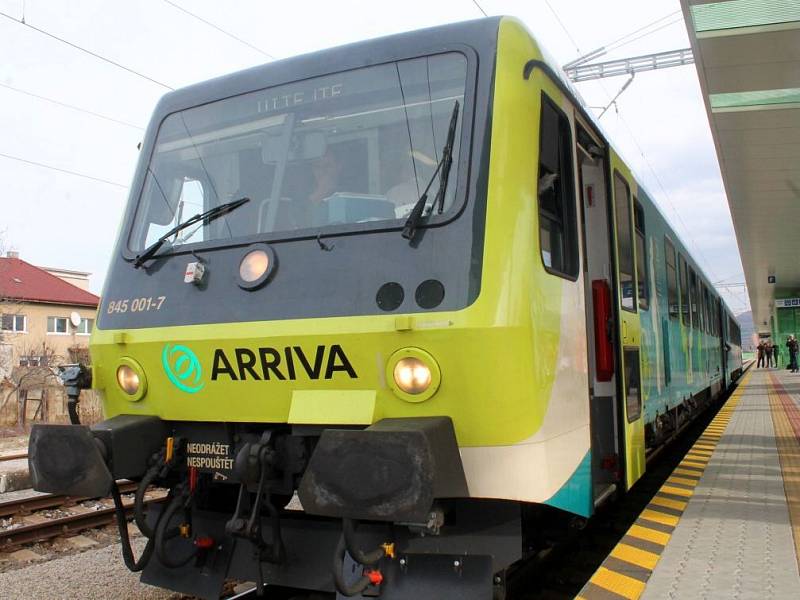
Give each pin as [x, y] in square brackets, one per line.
[622, 203]
[693, 297]
[685, 314]
[633, 397]
[672, 278]
[641, 255]
[557, 219]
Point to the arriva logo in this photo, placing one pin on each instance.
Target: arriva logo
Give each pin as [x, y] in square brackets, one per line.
[183, 368]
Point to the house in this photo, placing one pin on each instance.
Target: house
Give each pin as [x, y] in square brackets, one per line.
[46, 315]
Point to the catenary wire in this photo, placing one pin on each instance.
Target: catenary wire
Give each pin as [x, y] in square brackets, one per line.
[644, 35]
[220, 29]
[480, 8]
[71, 106]
[59, 169]
[560, 22]
[613, 44]
[82, 49]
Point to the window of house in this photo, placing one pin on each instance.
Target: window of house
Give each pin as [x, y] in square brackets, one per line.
[622, 211]
[672, 278]
[557, 219]
[57, 325]
[17, 323]
[85, 327]
[686, 315]
[641, 255]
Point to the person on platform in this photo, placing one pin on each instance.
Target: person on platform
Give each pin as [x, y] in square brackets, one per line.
[793, 347]
[775, 354]
[768, 353]
[760, 353]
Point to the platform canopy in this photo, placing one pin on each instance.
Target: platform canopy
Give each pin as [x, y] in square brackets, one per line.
[747, 54]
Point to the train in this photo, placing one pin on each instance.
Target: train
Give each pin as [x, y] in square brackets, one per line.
[382, 318]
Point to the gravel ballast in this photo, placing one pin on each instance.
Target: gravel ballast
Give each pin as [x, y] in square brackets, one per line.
[94, 574]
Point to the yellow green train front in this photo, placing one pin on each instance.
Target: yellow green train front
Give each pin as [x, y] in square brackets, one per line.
[430, 379]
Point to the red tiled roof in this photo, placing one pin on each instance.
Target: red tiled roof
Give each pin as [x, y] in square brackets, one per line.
[22, 281]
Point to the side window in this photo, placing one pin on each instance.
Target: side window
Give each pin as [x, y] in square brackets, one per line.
[693, 297]
[707, 308]
[685, 315]
[633, 398]
[641, 254]
[557, 219]
[622, 213]
[672, 278]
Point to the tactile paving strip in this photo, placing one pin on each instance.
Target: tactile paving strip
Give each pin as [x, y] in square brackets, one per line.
[627, 569]
[786, 418]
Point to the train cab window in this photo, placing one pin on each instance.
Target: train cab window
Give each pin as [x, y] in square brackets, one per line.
[185, 196]
[622, 211]
[672, 278]
[350, 151]
[685, 314]
[641, 254]
[557, 219]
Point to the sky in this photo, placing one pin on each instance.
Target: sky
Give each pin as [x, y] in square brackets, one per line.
[59, 219]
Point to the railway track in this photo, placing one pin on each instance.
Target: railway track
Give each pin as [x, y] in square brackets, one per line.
[44, 528]
[17, 456]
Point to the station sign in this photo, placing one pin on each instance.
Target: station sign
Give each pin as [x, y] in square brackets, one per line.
[787, 302]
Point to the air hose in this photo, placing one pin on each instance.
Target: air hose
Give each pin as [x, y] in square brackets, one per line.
[179, 502]
[338, 578]
[139, 518]
[349, 534]
[138, 506]
[122, 524]
[347, 542]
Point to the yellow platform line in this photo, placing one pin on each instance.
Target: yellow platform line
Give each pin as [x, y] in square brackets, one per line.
[688, 473]
[618, 583]
[668, 503]
[696, 473]
[635, 556]
[683, 480]
[659, 517]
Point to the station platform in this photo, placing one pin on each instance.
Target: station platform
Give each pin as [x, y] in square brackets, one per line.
[726, 523]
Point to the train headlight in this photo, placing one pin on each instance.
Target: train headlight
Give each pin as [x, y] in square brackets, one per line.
[256, 266]
[413, 374]
[131, 379]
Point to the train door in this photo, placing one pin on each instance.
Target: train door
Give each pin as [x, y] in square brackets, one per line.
[605, 408]
[629, 333]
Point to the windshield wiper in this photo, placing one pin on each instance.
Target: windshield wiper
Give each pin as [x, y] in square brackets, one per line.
[443, 170]
[207, 217]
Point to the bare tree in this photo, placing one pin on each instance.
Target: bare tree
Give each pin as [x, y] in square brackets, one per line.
[35, 373]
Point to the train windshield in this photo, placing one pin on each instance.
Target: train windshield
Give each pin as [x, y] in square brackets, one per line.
[350, 150]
